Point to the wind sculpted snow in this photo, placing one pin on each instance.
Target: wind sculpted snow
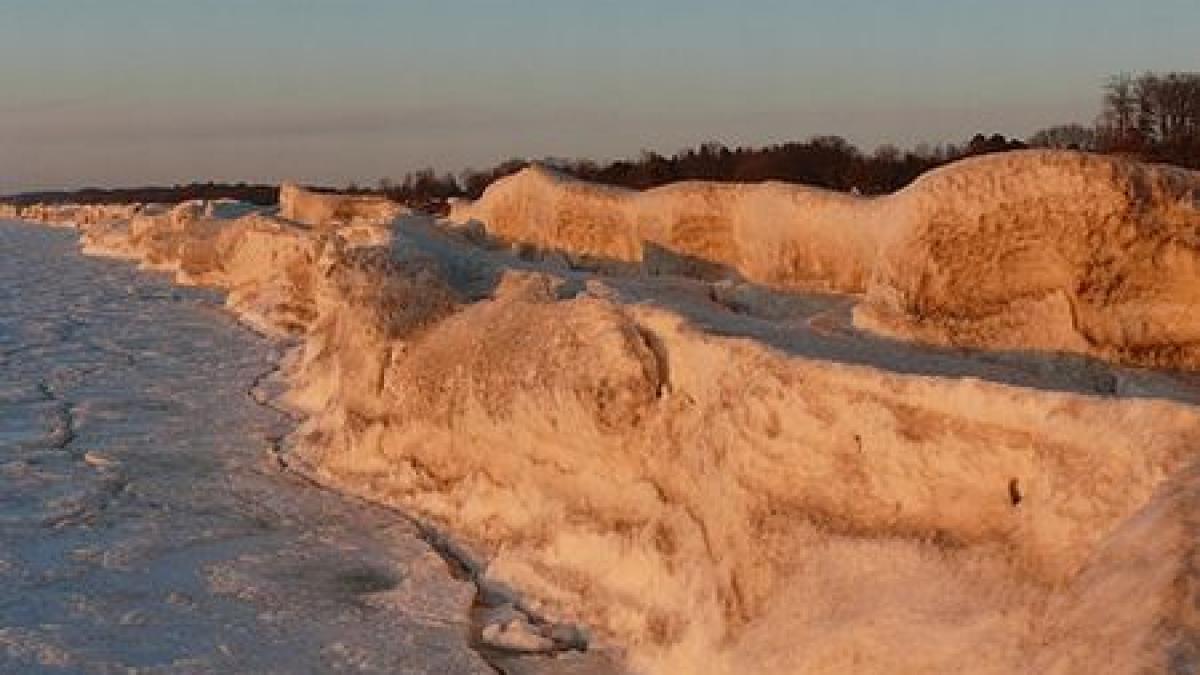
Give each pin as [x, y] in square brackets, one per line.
[720, 473]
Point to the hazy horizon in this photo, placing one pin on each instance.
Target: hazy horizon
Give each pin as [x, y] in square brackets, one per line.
[125, 93]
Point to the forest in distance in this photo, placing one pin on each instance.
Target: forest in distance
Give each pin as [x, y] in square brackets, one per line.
[1150, 117]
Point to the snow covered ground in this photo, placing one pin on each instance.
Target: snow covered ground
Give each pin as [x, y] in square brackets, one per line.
[145, 523]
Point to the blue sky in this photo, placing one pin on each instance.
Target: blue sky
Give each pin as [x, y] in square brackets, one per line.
[112, 92]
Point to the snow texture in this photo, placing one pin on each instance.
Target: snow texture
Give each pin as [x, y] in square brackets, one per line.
[631, 419]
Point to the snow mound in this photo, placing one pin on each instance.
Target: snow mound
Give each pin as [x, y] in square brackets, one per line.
[1028, 250]
[769, 233]
[1046, 250]
[631, 453]
[316, 209]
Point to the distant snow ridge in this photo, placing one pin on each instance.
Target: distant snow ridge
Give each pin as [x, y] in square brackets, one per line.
[1038, 250]
[772, 233]
[621, 450]
[312, 208]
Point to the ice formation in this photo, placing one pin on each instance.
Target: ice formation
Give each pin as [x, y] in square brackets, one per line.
[1029, 250]
[317, 209]
[1054, 251]
[619, 401]
[771, 233]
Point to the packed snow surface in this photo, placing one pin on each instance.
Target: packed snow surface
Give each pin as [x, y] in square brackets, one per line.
[632, 419]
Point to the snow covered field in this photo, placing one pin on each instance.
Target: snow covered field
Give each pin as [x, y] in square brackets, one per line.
[631, 411]
[145, 524]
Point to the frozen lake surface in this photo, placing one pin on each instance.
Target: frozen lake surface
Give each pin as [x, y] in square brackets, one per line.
[145, 525]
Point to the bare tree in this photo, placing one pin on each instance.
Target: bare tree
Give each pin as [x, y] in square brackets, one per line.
[1155, 115]
[1118, 120]
[1065, 137]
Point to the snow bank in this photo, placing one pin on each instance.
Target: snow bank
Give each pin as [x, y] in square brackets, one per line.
[713, 503]
[265, 262]
[770, 233]
[1046, 250]
[1030, 250]
[316, 209]
[720, 507]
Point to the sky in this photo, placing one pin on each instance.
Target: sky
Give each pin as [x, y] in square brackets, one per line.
[132, 92]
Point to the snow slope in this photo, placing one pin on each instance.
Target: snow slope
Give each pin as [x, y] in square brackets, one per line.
[725, 477]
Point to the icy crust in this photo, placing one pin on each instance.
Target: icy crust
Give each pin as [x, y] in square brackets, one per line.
[712, 503]
[1030, 250]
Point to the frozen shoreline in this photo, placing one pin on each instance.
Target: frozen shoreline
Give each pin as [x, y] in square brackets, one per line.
[145, 524]
[717, 475]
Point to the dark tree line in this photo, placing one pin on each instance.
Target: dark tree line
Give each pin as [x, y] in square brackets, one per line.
[1152, 117]
[254, 194]
[824, 161]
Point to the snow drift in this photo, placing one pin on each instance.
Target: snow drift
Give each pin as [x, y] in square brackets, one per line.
[625, 451]
[1029, 250]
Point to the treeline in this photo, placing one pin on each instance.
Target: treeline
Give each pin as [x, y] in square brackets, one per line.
[824, 161]
[1152, 117]
[254, 194]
